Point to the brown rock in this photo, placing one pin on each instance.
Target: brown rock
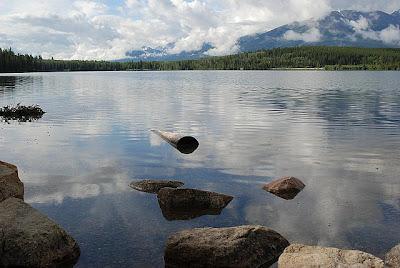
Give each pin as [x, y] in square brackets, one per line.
[10, 184]
[286, 188]
[184, 204]
[153, 186]
[30, 239]
[392, 258]
[242, 246]
[299, 256]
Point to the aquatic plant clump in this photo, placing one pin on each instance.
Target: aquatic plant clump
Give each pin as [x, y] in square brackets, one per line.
[21, 113]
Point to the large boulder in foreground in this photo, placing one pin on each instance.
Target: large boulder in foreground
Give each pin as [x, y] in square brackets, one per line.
[297, 256]
[184, 204]
[392, 258]
[153, 186]
[286, 187]
[242, 246]
[30, 239]
[10, 184]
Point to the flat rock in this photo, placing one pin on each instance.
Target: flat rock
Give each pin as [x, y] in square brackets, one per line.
[185, 204]
[286, 187]
[10, 184]
[297, 255]
[153, 186]
[392, 258]
[30, 239]
[242, 246]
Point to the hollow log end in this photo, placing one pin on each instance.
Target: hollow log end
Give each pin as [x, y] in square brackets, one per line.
[187, 145]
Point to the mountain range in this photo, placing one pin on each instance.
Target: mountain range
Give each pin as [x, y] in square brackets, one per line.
[338, 28]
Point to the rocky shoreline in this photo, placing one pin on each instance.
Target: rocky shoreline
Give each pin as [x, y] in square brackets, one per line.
[244, 246]
[27, 237]
[30, 239]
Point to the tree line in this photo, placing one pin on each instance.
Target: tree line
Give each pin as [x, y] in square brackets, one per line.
[329, 58]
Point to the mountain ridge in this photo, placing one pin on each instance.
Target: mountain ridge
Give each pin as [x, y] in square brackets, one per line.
[338, 28]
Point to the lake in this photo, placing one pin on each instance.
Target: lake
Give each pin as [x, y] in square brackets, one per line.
[339, 132]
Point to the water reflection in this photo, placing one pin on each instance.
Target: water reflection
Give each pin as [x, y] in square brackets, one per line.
[7, 83]
[338, 131]
[10, 83]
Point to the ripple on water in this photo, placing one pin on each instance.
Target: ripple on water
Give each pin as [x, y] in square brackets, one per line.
[337, 131]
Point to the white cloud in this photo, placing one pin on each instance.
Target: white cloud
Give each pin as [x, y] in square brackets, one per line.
[366, 5]
[92, 29]
[90, 8]
[312, 35]
[361, 24]
[389, 35]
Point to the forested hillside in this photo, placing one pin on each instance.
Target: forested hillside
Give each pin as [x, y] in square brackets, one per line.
[329, 58]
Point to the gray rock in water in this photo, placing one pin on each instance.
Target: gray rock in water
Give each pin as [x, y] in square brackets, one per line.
[153, 186]
[185, 204]
[10, 184]
[286, 188]
[242, 246]
[297, 255]
[392, 258]
[30, 239]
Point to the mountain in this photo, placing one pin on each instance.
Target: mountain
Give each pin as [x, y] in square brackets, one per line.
[161, 54]
[338, 28]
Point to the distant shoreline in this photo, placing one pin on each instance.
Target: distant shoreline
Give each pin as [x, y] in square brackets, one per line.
[209, 70]
[294, 58]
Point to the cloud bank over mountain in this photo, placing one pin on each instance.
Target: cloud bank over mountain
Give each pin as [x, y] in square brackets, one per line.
[105, 29]
[338, 28]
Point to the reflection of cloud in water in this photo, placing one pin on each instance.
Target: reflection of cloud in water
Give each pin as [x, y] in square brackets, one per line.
[337, 132]
[54, 188]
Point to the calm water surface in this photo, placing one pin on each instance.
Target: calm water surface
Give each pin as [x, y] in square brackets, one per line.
[337, 131]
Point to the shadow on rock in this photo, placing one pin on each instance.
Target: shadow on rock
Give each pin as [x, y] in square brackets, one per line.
[186, 204]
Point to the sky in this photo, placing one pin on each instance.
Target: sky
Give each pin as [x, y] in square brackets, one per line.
[106, 29]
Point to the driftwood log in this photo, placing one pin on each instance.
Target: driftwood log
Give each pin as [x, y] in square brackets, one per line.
[184, 144]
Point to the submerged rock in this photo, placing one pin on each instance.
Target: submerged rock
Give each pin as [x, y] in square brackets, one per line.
[298, 255]
[242, 246]
[185, 204]
[286, 188]
[30, 239]
[153, 186]
[392, 258]
[10, 184]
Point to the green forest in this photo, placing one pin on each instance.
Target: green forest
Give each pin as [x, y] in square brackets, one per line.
[328, 58]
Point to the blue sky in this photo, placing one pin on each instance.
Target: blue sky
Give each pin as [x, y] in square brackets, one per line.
[105, 29]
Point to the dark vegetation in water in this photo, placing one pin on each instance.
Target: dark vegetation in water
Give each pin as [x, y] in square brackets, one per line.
[21, 113]
[329, 58]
